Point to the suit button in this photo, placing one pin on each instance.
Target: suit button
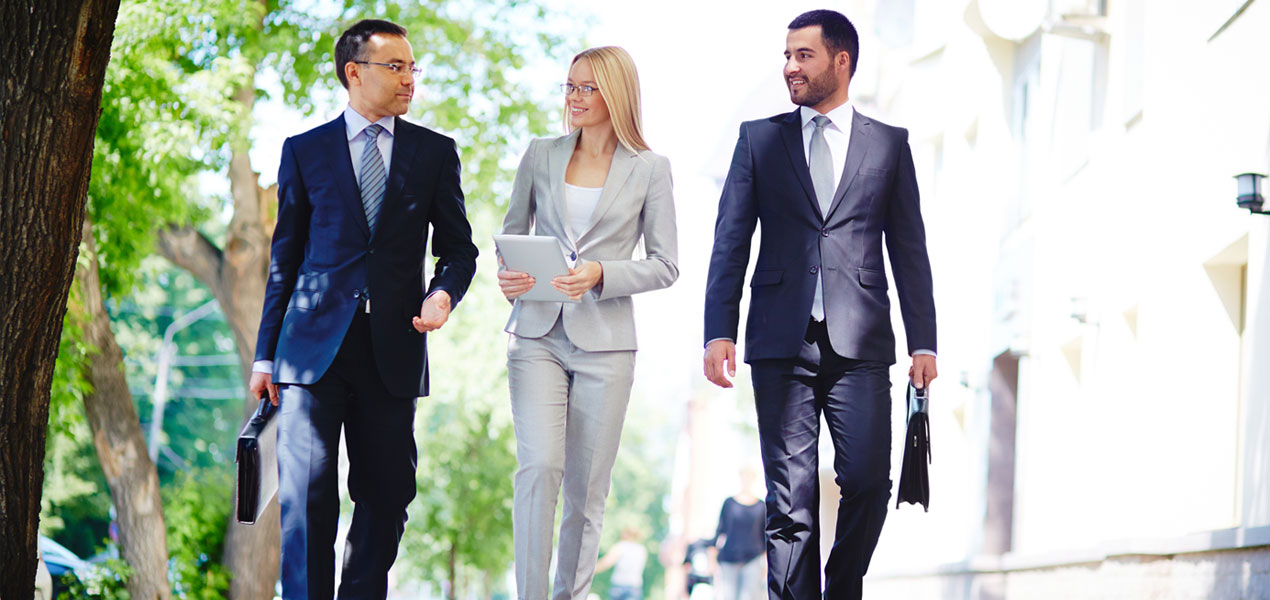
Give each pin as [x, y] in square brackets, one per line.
[372, 250]
[357, 293]
[814, 270]
[824, 232]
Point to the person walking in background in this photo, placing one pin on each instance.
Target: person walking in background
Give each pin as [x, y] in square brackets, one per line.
[827, 183]
[739, 544]
[343, 332]
[627, 559]
[598, 191]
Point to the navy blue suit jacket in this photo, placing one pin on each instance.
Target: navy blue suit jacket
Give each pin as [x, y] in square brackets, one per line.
[324, 254]
[876, 198]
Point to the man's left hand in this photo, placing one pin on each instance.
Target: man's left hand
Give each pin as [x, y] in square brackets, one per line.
[923, 370]
[434, 312]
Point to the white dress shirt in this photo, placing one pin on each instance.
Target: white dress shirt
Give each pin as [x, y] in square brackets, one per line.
[837, 135]
[354, 125]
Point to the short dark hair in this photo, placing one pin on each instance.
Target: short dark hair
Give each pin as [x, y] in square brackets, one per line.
[352, 42]
[836, 30]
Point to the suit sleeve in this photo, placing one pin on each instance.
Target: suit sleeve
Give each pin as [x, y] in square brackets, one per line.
[451, 233]
[520, 209]
[733, 230]
[286, 252]
[906, 245]
[660, 267]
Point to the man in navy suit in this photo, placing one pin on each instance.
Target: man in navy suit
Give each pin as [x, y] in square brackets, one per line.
[343, 333]
[828, 184]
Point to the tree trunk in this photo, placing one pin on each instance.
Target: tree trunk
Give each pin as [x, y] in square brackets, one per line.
[121, 446]
[236, 276]
[53, 57]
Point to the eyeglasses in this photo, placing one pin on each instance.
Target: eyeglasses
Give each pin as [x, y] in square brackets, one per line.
[396, 68]
[585, 90]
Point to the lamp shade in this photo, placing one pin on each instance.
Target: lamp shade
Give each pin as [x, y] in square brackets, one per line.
[1249, 189]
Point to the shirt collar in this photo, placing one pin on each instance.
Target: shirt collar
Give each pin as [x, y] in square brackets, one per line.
[355, 123]
[841, 116]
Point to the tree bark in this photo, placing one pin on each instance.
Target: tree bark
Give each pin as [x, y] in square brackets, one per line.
[236, 275]
[53, 57]
[120, 443]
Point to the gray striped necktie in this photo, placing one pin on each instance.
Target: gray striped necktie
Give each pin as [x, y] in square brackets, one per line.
[374, 179]
[821, 166]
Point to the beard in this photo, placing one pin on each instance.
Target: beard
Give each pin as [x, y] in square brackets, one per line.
[816, 90]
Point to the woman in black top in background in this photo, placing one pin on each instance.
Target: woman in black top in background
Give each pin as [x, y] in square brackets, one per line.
[742, 572]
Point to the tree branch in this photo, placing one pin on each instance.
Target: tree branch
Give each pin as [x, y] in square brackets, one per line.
[189, 249]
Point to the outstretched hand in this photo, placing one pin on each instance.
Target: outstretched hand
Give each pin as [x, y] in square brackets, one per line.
[434, 312]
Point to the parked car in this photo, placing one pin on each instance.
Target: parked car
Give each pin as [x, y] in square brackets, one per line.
[59, 562]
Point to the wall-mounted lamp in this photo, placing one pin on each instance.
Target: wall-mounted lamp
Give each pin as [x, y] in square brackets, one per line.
[1250, 192]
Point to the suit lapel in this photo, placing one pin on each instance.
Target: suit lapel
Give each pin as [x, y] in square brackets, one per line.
[557, 164]
[404, 144]
[341, 164]
[792, 133]
[856, 150]
[619, 169]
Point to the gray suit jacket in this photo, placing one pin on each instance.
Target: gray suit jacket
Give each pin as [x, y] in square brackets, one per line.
[636, 202]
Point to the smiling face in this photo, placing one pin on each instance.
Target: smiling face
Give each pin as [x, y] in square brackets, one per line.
[374, 90]
[585, 111]
[815, 77]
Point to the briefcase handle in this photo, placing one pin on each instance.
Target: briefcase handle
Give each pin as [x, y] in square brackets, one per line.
[265, 411]
[917, 398]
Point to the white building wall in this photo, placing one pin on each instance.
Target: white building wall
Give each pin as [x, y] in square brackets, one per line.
[1097, 237]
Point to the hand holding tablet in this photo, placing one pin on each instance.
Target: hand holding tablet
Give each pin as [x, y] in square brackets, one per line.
[541, 258]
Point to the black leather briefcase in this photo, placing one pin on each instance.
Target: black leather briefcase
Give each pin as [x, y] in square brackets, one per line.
[257, 460]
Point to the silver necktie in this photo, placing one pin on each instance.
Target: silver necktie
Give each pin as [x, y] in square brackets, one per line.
[374, 179]
[822, 179]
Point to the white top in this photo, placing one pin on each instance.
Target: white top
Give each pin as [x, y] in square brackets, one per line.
[354, 125]
[837, 135]
[629, 569]
[580, 207]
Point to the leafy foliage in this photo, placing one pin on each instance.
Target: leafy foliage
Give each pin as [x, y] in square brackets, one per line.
[197, 506]
[105, 581]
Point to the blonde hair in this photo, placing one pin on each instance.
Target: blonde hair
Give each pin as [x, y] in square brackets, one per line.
[619, 85]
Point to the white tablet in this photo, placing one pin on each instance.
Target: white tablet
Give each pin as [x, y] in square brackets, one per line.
[541, 257]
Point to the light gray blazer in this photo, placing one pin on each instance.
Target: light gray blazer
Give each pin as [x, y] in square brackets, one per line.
[636, 202]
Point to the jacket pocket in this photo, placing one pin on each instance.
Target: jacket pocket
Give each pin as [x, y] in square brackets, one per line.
[871, 278]
[304, 300]
[869, 172]
[762, 278]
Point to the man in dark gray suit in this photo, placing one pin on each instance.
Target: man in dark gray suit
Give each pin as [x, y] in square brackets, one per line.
[828, 184]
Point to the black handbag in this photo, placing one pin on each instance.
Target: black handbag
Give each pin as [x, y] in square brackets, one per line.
[914, 476]
[257, 459]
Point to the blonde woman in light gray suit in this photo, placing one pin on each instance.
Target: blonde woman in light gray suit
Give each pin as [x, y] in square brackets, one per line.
[598, 191]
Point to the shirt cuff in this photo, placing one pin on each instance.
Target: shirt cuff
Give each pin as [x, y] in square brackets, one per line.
[719, 338]
[262, 366]
[924, 351]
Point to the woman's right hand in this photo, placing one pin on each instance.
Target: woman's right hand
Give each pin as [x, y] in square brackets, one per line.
[514, 283]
